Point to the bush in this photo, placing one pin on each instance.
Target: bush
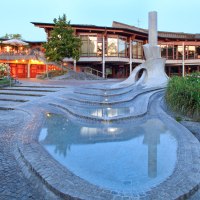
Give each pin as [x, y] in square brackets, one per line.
[52, 74]
[4, 81]
[183, 95]
[4, 70]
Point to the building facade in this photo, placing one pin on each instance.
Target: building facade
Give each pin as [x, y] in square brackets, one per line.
[111, 52]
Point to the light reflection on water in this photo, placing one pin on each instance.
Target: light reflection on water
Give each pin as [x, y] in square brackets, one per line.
[128, 159]
[111, 112]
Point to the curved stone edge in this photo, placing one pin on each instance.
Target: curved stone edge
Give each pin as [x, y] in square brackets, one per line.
[52, 173]
[187, 182]
[54, 176]
[113, 119]
[136, 94]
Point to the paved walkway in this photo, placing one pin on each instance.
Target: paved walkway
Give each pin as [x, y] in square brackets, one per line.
[13, 183]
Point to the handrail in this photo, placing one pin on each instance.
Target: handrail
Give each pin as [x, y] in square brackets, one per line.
[93, 71]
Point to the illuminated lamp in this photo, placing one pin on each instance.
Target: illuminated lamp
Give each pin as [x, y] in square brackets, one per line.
[7, 48]
[48, 114]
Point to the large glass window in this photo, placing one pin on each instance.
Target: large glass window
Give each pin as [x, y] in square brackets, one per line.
[191, 52]
[170, 52]
[84, 46]
[92, 41]
[197, 52]
[137, 50]
[112, 47]
[140, 50]
[122, 47]
[163, 51]
[99, 46]
[179, 52]
[89, 45]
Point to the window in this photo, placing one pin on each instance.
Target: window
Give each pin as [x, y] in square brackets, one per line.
[112, 47]
[89, 45]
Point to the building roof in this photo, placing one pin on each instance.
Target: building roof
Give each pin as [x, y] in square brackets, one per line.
[30, 42]
[161, 34]
[93, 27]
[127, 29]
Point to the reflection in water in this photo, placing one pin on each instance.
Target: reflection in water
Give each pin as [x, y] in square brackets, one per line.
[152, 139]
[89, 131]
[112, 112]
[128, 159]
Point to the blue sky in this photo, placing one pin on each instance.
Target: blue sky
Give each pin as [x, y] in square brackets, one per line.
[173, 15]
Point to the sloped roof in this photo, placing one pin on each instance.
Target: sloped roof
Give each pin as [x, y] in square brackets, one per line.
[161, 34]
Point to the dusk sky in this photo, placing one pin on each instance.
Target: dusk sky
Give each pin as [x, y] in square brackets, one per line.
[173, 15]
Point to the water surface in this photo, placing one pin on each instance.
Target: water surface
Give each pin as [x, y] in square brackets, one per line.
[127, 158]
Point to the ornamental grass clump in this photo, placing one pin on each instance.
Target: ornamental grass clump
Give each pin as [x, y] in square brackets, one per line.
[183, 95]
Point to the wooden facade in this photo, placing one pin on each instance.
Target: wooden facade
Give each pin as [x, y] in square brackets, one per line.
[114, 51]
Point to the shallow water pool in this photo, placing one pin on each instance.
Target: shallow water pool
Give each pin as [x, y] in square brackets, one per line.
[126, 159]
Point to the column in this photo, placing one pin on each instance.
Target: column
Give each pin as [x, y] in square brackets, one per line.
[75, 65]
[130, 58]
[47, 70]
[103, 58]
[153, 33]
[29, 69]
[183, 59]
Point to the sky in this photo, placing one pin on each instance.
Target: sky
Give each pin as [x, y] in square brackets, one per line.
[173, 15]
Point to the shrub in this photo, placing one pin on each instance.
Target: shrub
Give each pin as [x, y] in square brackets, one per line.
[4, 70]
[52, 74]
[4, 81]
[183, 95]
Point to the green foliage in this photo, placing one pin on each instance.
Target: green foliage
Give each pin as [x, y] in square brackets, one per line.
[13, 36]
[62, 42]
[52, 74]
[4, 70]
[178, 119]
[183, 95]
[4, 81]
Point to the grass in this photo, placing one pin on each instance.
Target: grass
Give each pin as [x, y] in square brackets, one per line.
[183, 95]
[4, 81]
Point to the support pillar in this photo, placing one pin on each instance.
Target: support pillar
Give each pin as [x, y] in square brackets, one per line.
[130, 58]
[75, 65]
[103, 58]
[29, 70]
[47, 70]
[183, 59]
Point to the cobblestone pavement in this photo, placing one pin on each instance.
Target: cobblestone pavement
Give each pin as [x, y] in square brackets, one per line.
[13, 183]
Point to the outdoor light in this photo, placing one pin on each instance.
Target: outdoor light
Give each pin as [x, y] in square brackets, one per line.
[48, 114]
[8, 49]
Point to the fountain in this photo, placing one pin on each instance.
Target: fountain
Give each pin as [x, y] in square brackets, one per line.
[118, 142]
[153, 68]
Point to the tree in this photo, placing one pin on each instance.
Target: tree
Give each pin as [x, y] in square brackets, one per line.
[12, 36]
[62, 42]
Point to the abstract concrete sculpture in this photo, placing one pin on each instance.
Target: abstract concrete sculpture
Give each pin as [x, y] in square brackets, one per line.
[155, 65]
[153, 69]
